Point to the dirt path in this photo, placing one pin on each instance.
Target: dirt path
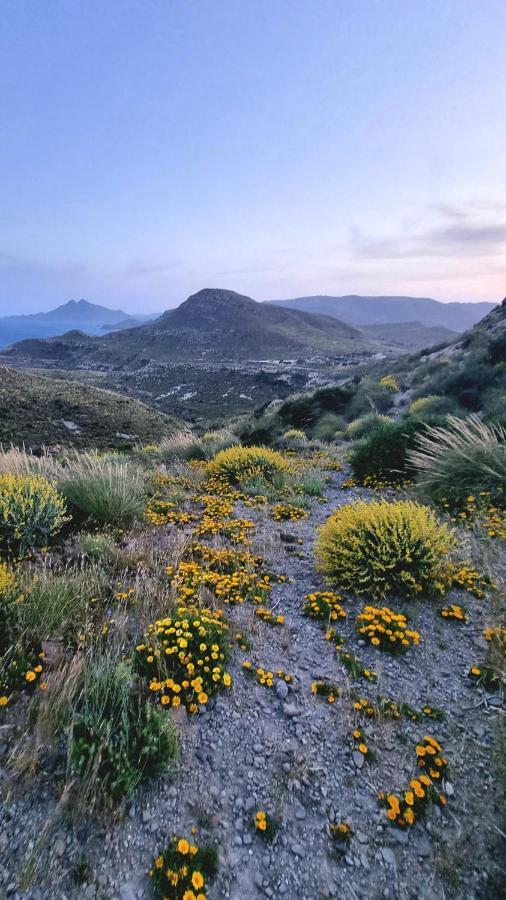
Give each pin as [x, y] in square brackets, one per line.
[287, 751]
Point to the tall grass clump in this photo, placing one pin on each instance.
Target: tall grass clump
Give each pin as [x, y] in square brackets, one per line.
[181, 446]
[109, 491]
[462, 458]
[239, 464]
[117, 736]
[31, 512]
[54, 599]
[380, 549]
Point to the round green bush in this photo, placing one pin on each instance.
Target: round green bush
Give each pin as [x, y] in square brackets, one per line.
[237, 464]
[31, 512]
[380, 549]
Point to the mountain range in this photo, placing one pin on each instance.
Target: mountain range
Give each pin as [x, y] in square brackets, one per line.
[210, 326]
[359, 311]
[87, 317]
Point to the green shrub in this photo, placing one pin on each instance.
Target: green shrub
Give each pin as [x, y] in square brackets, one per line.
[117, 737]
[241, 464]
[383, 456]
[381, 549]
[31, 512]
[326, 426]
[390, 383]
[370, 397]
[365, 425]
[214, 441]
[432, 407]
[462, 458]
[109, 492]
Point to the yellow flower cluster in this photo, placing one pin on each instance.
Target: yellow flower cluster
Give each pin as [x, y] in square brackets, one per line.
[181, 872]
[21, 670]
[265, 824]
[365, 707]
[183, 657]
[327, 689]
[228, 587]
[360, 743]
[496, 634]
[239, 464]
[481, 511]
[429, 754]
[264, 676]
[386, 629]
[165, 512]
[31, 511]
[324, 605]
[125, 595]
[287, 512]
[269, 617]
[7, 578]
[465, 578]
[236, 530]
[383, 548]
[454, 611]
[404, 810]
[341, 832]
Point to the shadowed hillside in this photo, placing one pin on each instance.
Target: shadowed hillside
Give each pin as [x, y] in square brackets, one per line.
[36, 410]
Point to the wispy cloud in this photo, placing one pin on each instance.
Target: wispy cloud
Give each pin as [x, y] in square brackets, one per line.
[450, 231]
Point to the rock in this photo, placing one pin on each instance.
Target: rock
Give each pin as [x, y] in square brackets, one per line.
[300, 812]
[297, 849]
[388, 857]
[290, 709]
[358, 759]
[282, 690]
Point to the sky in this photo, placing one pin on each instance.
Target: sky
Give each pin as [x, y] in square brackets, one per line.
[279, 148]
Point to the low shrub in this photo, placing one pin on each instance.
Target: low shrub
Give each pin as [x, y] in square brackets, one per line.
[326, 426]
[390, 383]
[461, 459]
[117, 737]
[31, 512]
[384, 548]
[383, 455]
[365, 425]
[110, 492]
[238, 464]
[433, 407]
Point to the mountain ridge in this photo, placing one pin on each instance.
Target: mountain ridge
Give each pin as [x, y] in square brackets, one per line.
[359, 310]
[213, 324]
[90, 318]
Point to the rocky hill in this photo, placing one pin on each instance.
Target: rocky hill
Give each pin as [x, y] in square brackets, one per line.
[87, 317]
[359, 311]
[35, 411]
[212, 325]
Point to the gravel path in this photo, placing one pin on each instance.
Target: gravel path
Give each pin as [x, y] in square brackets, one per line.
[284, 750]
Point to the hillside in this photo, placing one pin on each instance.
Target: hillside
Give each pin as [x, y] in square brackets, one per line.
[212, 325]
[35, 410]
[408, 335]
[87, 317]
[359, 311]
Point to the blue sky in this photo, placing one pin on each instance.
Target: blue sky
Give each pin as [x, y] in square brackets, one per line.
[276, 147]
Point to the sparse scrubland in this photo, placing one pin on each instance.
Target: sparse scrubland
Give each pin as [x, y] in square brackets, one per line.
[263, 661]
